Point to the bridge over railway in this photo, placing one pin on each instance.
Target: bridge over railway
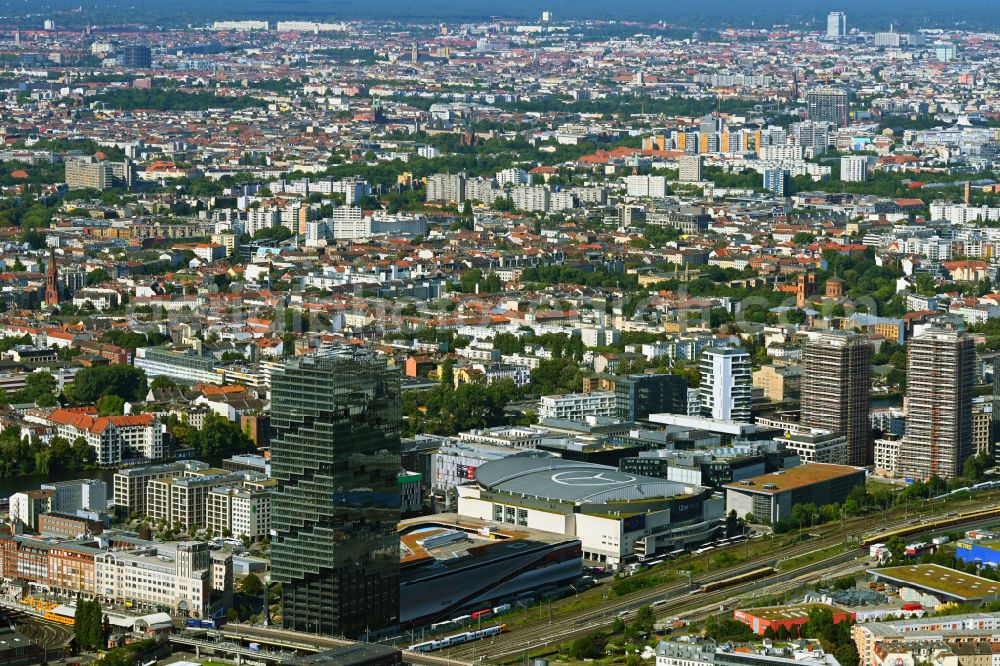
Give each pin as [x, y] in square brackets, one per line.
[277, 646]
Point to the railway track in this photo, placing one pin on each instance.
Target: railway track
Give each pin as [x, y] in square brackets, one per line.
[607, 611]
[557, 632]
[566, 625]
[49, 635]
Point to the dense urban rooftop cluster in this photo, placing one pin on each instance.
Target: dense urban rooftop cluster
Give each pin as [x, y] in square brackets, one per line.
[569, 296]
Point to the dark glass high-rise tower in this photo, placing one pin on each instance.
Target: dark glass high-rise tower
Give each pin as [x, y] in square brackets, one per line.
[137, 57]
[335, 452]
[638, 396]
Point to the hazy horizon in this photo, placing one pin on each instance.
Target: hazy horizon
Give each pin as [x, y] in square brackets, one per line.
[907, 14]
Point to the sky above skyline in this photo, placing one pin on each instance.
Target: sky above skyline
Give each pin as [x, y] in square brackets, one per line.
[972, 14]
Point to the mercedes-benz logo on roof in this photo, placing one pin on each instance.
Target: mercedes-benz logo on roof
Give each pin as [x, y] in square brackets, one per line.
[590, 479]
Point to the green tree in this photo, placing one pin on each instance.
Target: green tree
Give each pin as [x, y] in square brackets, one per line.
[80, 622]
[162, 382]
[252, 585]
[98, 276]
[689, 371]
[556, 375]
[89, 627]
[110, 405]
[221, 437]
[278, 233]
[83, 454]
[847, 654]
[590, 646]
[132, 339]
[124, 381]
[469, 280]
[644, 620]
[448, 374]
[723, 629]
[974, 469]
[37, 384]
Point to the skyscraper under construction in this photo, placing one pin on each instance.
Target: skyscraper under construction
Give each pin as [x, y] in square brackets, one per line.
[836, 387]
[335, 451]
[939, 384]
[828, 104]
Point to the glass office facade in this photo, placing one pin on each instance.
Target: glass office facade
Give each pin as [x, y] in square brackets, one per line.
[335, 451]
[638, 396]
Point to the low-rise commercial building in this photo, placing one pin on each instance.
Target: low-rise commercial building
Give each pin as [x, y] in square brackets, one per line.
[931, 585]
[71, 496]
[818, 446]
[770, 498]
[68, 525]
[578, 406]
[873, 638]
[773, 617]
[616, 516]
[186, 577]
[978, 551]
[688, 651]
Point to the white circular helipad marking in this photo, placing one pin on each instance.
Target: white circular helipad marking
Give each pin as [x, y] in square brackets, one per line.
[589, 479]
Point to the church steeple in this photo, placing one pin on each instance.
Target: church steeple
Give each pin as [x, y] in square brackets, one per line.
[52, 280]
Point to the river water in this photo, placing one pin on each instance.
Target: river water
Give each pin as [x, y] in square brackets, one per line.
[22, 482]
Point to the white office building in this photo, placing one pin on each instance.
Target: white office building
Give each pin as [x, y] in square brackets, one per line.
[690, 168]
[513, 177]
[446, 187]
[561, 201]
[726, 383]
[71, 496]
[836, 25]
[183, 366]
[782, 153]
[182, 578]
[577, 406]
[349, 223]
[530, 198]
[646, 186]
[240, 512]
[854, 168]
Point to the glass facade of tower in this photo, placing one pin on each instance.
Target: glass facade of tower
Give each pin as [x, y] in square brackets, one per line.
[335, 451]
[638, 396]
